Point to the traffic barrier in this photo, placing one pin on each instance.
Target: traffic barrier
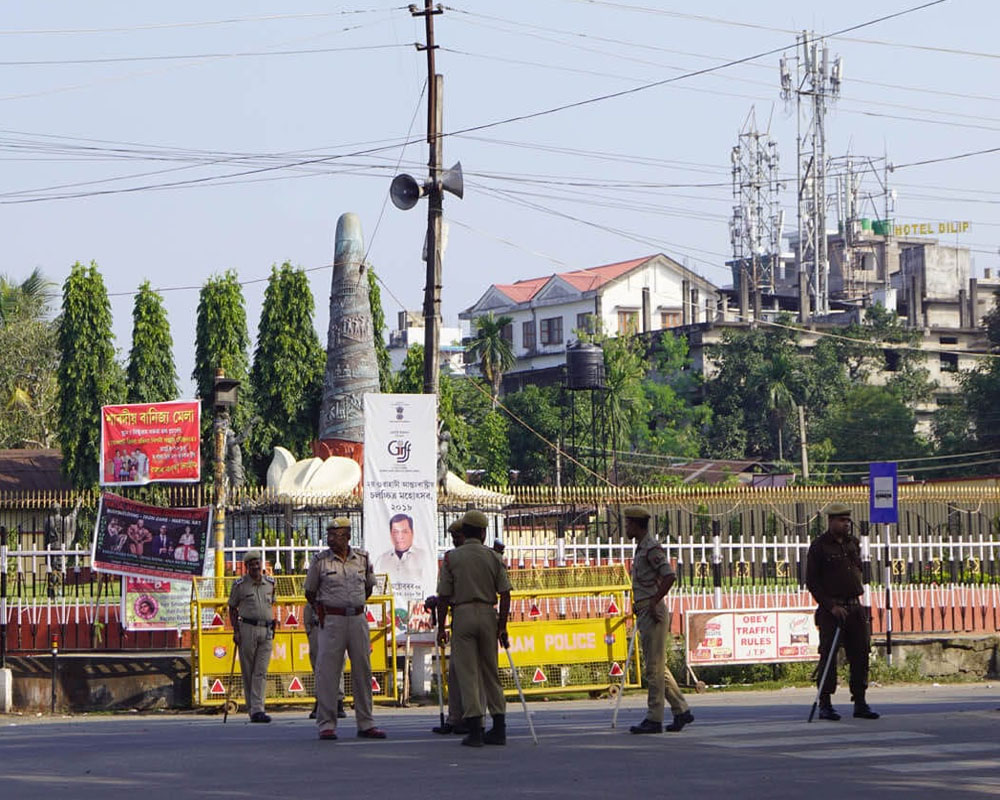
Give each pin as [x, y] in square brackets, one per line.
[569, 631]
[289, 678]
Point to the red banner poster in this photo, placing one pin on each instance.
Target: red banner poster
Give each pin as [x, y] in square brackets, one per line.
[133, 538]
[151, 442]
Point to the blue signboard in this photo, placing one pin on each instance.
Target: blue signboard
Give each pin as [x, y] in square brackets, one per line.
[883, 492]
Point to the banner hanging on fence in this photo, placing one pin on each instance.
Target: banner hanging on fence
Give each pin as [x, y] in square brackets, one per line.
[751, 636]
[133, 538]
[151, 442]
[400, 498]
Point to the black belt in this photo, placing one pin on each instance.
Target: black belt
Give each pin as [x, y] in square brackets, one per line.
[848, 601]
[349, 611]
[260, 623]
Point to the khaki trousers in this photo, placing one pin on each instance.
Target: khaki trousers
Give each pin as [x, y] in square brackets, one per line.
[340, 635]
[455, 695]
[659, 680]
[313, 637]
[255, 655]
[474, 654]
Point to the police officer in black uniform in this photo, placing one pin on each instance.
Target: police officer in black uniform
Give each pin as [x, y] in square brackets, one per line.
[833, 575]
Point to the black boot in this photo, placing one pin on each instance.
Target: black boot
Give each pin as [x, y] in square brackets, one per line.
[826, 709]
[341, 714]
[475, 737]
[862, 710]
[498, 733]
[680, 720]
[312, 714]
[460, 728]
[443, 729]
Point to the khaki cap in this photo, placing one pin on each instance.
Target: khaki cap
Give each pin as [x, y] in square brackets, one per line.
[636, 512]
[251, 555]
[838, 510]
[476, 519]
[339, 522]
[455, 527]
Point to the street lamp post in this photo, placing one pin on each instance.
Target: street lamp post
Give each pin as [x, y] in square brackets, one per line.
[226, 391]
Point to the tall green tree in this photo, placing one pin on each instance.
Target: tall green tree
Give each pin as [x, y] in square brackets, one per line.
[491, 449]
[492, 350]
[29, 358]
[89, 376]
[382, 358]
[538, 408]
[221, 342]
[151, 375]
[287, 374]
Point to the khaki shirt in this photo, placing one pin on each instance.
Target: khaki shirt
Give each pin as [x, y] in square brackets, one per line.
[472, 573]
[253, 600]
[341, 582]
[649, 564]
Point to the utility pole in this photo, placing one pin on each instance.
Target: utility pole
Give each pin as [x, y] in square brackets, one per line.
[432, 253]
[802, 443]
[816, 80]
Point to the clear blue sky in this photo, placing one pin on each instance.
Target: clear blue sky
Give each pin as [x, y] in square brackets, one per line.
[276, 84]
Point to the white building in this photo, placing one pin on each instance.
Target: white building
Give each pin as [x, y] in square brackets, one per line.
[645, 294]
[411, 332]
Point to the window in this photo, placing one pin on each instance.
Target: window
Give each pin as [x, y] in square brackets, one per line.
[891, 360]
[507, 333]
[948, 339]
[585, 322]
[552, 330]
[949, 362]
[528, 335]
[628, 323]
[671, 319]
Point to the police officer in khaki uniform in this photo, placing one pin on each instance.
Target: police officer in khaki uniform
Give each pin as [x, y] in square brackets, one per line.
[652, 577]
[339, 582]
[470, 579]
[312, 635]
[833, 575]
[251, 604]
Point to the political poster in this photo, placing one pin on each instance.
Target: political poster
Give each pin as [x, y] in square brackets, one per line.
[400, 499]
[751, 636]
[133, 538]
[151, 442]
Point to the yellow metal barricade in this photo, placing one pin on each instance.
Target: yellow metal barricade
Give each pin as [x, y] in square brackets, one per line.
[290, 677]
[569, 629]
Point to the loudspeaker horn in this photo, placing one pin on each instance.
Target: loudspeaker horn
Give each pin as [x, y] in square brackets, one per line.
[451, 180]
[405, 191]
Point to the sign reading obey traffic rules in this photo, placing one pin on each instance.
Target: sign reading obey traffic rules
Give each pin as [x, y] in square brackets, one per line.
[883, 492]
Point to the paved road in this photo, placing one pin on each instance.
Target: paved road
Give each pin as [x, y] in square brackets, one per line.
[932, 741]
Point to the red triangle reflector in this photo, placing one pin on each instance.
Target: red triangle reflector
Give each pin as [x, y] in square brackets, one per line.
[613, 608]
[370, 617]
[217, 621]
[296, 685]
[217, 688]
[375, 685]
[291, 619]
[539, 676]
[535, 611]
[616, 670]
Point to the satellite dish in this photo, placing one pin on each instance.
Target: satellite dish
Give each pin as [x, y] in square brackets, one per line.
[405, 191]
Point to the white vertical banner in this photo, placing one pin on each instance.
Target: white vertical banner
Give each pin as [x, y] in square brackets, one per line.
[400, 500]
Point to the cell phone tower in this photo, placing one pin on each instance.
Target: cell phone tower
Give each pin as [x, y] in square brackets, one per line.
[815, 81]
[757, 221]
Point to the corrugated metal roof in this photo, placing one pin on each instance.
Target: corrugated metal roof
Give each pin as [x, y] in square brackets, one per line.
[30, 470]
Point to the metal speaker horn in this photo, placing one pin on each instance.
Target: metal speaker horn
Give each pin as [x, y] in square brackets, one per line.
[451, 180]
[405, 191]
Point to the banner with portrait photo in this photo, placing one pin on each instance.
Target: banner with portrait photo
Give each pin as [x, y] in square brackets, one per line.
[133, 538]
[151, 442]
[400, 498]
[154, 604]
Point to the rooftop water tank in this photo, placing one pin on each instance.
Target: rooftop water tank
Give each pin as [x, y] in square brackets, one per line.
[584, 366]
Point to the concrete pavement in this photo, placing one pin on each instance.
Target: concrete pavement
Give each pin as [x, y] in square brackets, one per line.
[930, 740]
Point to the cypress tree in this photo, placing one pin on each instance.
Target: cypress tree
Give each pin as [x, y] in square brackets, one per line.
[151, 375]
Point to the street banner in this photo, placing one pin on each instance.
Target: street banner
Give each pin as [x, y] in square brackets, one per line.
[150, 442]
[132, 538]
[751, 636]
[153, 604]
[400, 499]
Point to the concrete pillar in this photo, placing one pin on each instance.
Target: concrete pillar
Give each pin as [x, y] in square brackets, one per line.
[6, 691]
[685, 302]
[963, 309]
[803, 297]
[646, 310]
[973, 302]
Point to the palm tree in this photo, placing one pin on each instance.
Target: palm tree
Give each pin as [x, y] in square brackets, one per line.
[779, 382]
[492, 350]
[28, 299]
